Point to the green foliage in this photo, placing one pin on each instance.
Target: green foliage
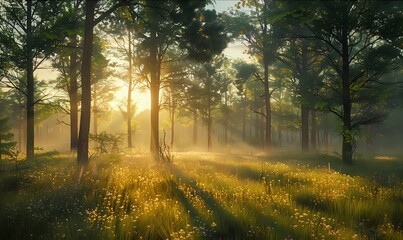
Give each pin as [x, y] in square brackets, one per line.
[50, 26]
[205, 37]
[244, 72]
[7, 145]
[107, 142]
[208, 87]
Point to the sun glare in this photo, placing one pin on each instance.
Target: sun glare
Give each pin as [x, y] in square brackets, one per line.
[140, 98]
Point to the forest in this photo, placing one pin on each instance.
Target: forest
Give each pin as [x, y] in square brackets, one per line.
[201, 119]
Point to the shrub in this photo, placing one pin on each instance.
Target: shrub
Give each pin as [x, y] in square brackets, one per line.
[107, 142]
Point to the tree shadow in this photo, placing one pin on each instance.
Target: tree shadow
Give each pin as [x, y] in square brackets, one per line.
[227, 225]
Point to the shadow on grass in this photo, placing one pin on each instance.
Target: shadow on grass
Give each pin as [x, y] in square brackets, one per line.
[240, 171]
[384, 172]
[230, 226]
[243, 172]
[30, 208]
[227, 225]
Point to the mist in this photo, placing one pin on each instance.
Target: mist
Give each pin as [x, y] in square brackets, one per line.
[248, 119]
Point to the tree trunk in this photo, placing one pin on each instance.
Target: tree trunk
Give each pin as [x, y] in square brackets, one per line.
[20, 127]
[243, 119]
[369, 141]
[172, 123]
[304, 128]
[73, 94]
[209, 147]
[262, 130]
[95, 109]
[30, 86]
[225, 132]
[195, 127]
[225, 120]
[257, 128]
[267, 107]
[313, 130]
[155, 91]
[82, 150]
[348, 138]
[326, 131]
[129, 94]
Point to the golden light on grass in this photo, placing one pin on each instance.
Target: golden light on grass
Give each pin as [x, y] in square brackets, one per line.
[198, 196]
[385, 158]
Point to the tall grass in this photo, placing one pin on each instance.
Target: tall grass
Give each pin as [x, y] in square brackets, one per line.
[207, 196]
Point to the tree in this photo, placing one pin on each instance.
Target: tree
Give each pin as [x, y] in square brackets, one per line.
[244, 72]
[357, 37]
[90, 22]
[102, 90]
[30, 32]
[121, 29]
[67, 63]
[7, 145]
[305, 64]
[167, 24]
[207, 89]
[259, 35]
[175, 81]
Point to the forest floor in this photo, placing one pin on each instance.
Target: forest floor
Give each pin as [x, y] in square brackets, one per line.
[202, 196]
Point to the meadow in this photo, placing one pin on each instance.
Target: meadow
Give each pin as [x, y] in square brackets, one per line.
[202, 196]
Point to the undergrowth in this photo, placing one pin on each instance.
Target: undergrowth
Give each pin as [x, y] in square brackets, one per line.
[199, 196]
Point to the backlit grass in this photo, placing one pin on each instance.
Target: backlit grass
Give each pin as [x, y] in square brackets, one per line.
[202, 196]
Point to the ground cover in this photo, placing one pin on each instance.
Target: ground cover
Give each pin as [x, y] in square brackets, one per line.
[202, 196]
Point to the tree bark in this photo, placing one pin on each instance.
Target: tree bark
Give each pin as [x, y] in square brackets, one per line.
[172, 122]
[82, 150]
[313, 130]
[347, 148]
[95, 109]
[243, 118]
[262, 130]
[304, 128]
[257, 128]
[30, 86]
[73, 94]
[155, 90]
[326, 131]
[209, 145]
[267, 144]
[226, 119]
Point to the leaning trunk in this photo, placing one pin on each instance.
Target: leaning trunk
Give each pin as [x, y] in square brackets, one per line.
[82, 150]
